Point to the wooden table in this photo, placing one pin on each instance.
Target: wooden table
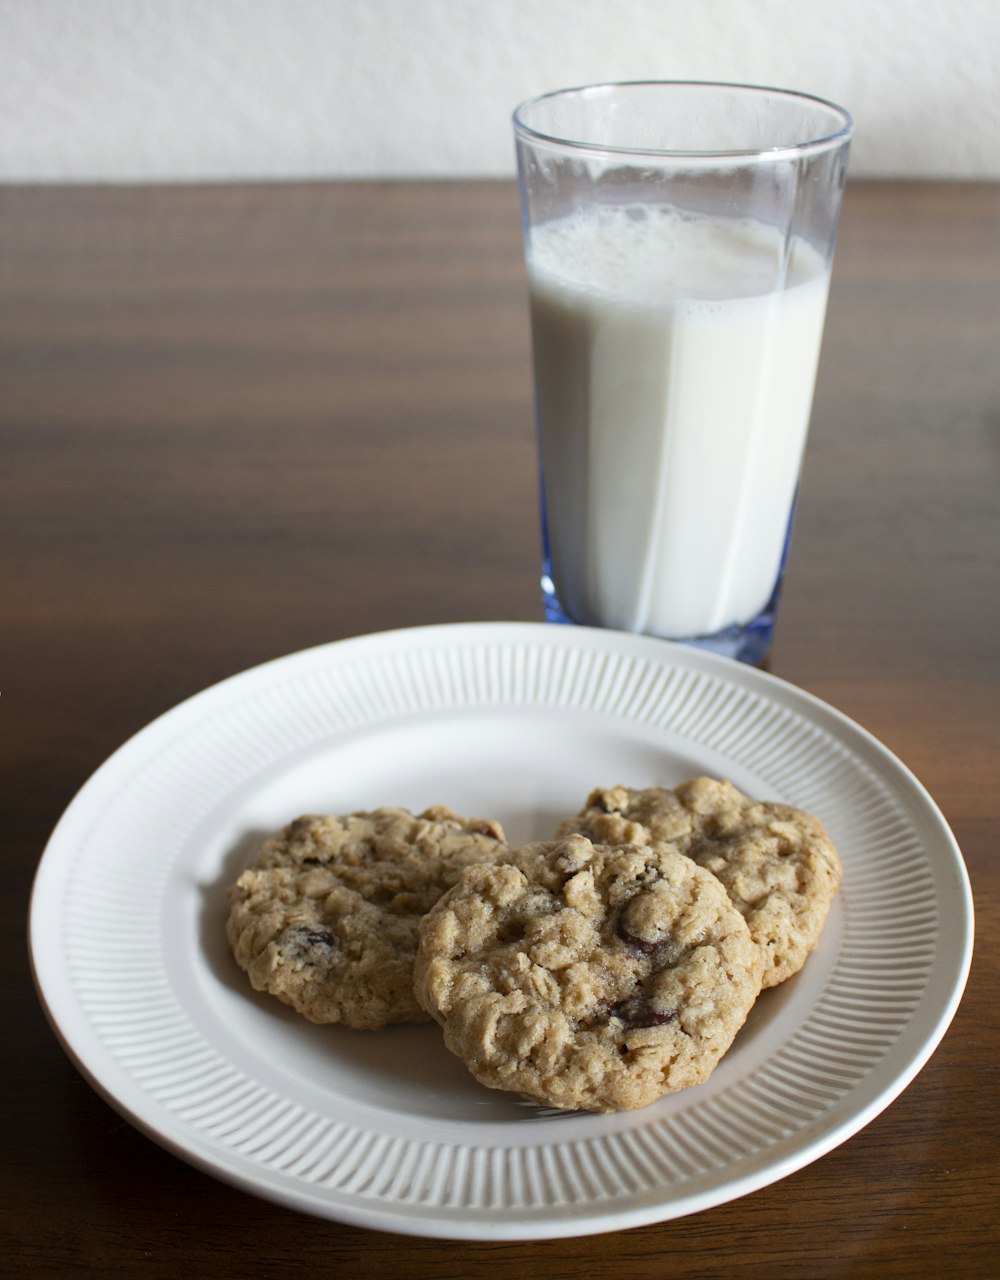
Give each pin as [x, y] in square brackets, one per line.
[237, 421]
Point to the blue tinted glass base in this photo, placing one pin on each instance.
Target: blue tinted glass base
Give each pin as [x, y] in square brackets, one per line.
[748, 642]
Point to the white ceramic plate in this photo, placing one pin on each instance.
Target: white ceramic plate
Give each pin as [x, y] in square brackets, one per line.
[517, 722]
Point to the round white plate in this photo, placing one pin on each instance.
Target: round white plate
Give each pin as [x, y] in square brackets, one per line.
[517, 722]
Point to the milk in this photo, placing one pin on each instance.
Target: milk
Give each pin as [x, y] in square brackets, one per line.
[674, 384]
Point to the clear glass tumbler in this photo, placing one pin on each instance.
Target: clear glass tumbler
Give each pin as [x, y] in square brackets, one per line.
[678, 238]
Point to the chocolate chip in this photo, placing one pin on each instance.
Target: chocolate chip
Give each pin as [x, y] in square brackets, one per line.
[644, 945]
[305, 944]
[644, 926]
[663, 953]
[637, 1012]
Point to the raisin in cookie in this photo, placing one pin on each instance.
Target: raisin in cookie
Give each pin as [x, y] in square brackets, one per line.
[586, 977]
[326, 916]
[777, 863]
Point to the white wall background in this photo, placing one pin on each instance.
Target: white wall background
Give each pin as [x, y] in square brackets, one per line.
[136, 90]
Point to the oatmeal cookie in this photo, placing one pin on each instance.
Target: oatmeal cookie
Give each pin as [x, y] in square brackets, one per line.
[326, 915]
[777, 863]
[586, 977]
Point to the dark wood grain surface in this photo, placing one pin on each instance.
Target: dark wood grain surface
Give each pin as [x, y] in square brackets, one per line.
[240, 421]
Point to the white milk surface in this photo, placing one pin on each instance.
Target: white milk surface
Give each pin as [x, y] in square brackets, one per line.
[674, 386]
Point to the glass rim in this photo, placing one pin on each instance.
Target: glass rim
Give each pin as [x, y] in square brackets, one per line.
[824, 142]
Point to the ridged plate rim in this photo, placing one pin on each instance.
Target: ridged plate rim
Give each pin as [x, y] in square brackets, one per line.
[874, 1001]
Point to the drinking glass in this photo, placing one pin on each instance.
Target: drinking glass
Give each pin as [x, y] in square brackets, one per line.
[678, 238]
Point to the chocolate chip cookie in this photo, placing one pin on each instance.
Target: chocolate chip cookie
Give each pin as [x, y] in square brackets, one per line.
[326, 915]
[777, 863]
[587, 977]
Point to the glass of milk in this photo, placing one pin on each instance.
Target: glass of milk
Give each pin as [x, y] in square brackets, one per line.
[678, 239]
